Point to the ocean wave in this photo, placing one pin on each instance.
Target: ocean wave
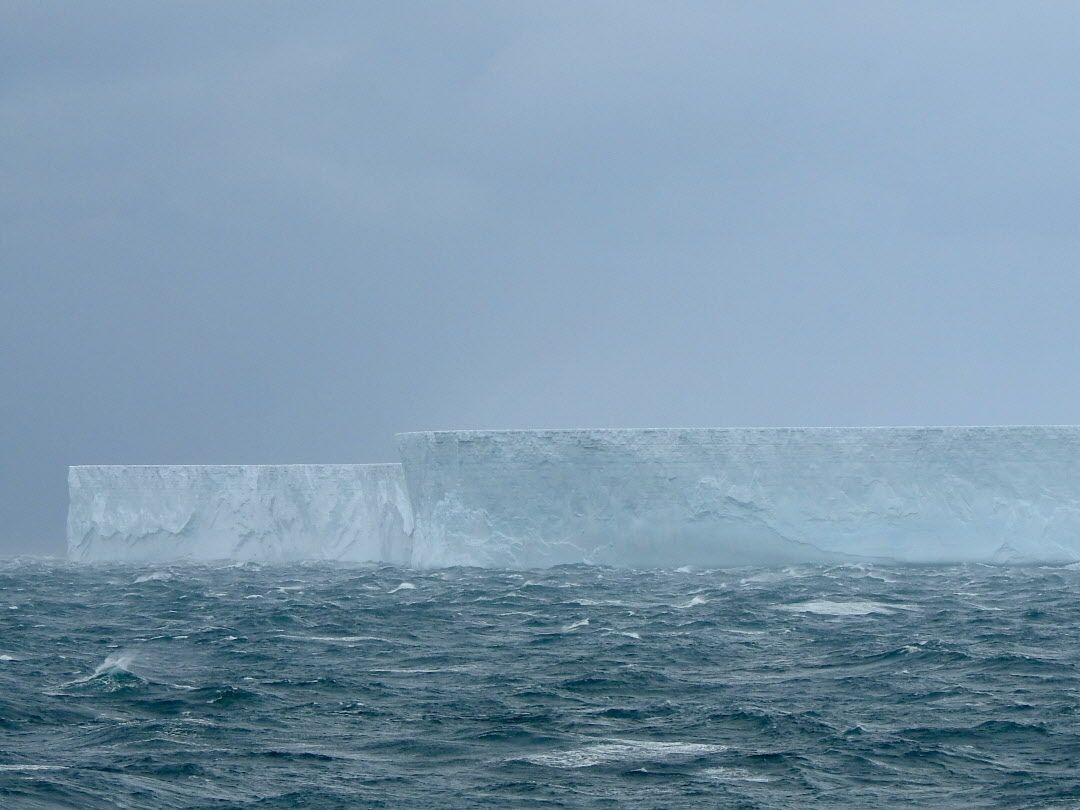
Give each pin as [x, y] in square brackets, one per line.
[774, 688]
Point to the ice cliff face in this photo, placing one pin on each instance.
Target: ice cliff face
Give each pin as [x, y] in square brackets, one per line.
[302, 511]
[621, 497]
[744, 496]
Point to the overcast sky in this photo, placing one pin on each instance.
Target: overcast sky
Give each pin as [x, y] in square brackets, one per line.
[280, 232]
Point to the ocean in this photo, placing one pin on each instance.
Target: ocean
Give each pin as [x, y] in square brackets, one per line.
[325, 686]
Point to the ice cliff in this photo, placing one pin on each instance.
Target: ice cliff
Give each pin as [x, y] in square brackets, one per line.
[744, 496]
[280, 512]
[621, 497]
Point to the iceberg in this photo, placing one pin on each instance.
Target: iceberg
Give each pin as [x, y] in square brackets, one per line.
[355, 512]
[640, 498]
[744, 496]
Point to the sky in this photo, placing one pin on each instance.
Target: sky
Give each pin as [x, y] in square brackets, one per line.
[281, 232]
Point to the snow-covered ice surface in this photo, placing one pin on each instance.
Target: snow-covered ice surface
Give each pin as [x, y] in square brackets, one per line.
[744, 496]
[357, 512]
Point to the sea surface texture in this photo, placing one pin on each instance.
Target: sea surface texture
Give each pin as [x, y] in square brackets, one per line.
[324, 686]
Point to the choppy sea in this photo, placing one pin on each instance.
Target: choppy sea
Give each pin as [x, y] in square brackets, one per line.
[319, 686]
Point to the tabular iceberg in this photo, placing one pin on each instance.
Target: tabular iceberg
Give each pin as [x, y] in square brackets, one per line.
[737, 496]
[356, 512]
[744, 496]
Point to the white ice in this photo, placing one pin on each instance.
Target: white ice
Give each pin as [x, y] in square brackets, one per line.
[690, 499]
[356, 512]
[730, 497]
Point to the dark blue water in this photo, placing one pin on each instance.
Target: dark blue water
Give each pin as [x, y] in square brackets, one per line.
[330, 686]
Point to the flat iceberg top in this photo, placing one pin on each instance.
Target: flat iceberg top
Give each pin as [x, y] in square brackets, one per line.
[827, 429]
[999, 435]
[135, 468]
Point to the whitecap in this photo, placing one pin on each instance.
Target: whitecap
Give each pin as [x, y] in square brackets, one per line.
[404, 586]
[6, 657]
[337, 639]
[825, 607]
[157, 576]
[115, 663]
[773, 576]
[32, 767]
[615, 751]
[575, 625]
[721, 774]
[697, 600]
[739, 632]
